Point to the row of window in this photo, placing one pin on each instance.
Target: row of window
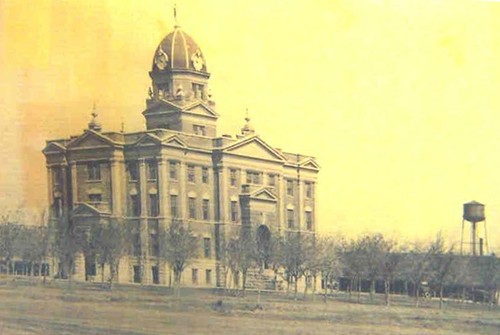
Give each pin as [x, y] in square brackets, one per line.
[253, 177]
[156, 275]
[154, 244]
[153, 209]
[194, 276]
[290, 218]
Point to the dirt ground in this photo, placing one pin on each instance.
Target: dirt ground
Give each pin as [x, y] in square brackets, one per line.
[32, 308]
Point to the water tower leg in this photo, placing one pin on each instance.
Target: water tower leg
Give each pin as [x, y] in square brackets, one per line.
[462, 239]
[486, 249]
[473, 238]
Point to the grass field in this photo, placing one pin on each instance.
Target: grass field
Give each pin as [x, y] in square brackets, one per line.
[31, 308]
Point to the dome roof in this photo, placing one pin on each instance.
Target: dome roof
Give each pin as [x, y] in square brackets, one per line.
[178, 50]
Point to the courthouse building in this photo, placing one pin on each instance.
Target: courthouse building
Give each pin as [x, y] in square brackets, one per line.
[178, 167]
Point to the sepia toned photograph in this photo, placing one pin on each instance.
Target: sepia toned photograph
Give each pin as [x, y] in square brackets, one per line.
[250, 167]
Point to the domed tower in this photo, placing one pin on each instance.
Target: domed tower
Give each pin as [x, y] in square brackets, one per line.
[179, 98]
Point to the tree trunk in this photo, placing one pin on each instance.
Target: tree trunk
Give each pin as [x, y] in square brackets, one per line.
[102, 275]
[243, 282]
[387, 291]
[325, 283]
[295, 288]
[314, 288]
[305, 288]
[372, 289]
[417, 295]
[441, 296]
[359, 289]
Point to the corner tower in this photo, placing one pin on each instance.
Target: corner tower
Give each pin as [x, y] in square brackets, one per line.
[179, 98]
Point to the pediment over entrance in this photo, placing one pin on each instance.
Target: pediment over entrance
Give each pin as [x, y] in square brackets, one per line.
[87, 210]
[263, 194]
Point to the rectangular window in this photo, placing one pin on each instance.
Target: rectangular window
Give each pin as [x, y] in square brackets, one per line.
[154, 240]
[174, 210]
[208, 276]
[253, 177]
[309, 189]
[57, 175]
[206, 247]
[95, 198]
[191, 174]
[136, 243]
[233, 177]
[152, 171]
[194, 276]
[290, 218]
[206, 209]
[156, 274]
[133, 171]
[234, 211]
[153, 205]
[57, 207]
[309, 221]
[198, 91]
[271, 180]
[172, 170]
[137, 273]
[289, 187]
[199, 130]
[135, 203]
[192, 208]
[94, 171]
[204, 175]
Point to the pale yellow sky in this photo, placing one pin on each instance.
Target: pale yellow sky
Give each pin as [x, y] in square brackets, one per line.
[398, 100]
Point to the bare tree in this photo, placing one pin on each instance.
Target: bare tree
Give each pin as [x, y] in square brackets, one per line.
[110, 246]
[389, 266]
[488, 268]
[67, 246]
[241, 253]
[418, 266]
[371, 248]
[329, 263]
[9, 233]
[442, 266]
[353, 263]
[179, 246]
[295, 252]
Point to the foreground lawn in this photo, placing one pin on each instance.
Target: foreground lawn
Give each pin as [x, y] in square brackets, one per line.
[31, 308]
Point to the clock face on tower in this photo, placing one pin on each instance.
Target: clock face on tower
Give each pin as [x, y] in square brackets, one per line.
[197, 61]
[161, 59]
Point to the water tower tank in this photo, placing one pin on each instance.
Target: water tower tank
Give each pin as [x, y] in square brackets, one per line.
[474, 212]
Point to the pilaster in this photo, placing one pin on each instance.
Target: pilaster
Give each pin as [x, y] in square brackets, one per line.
[74, 183]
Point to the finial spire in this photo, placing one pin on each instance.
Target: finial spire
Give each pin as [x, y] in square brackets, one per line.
[94, 123]
[175, 15]
[247, 128]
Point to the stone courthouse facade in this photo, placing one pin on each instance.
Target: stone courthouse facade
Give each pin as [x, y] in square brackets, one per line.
[178, 167]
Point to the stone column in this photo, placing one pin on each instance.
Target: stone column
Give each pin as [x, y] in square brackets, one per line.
[117, 180]
[74, 183]
[182, 191]
[50, 184]
[163, 188]
[145, 266]
[300, 207]
[282, 225]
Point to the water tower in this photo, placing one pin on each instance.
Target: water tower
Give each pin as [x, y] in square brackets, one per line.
[474, 213]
